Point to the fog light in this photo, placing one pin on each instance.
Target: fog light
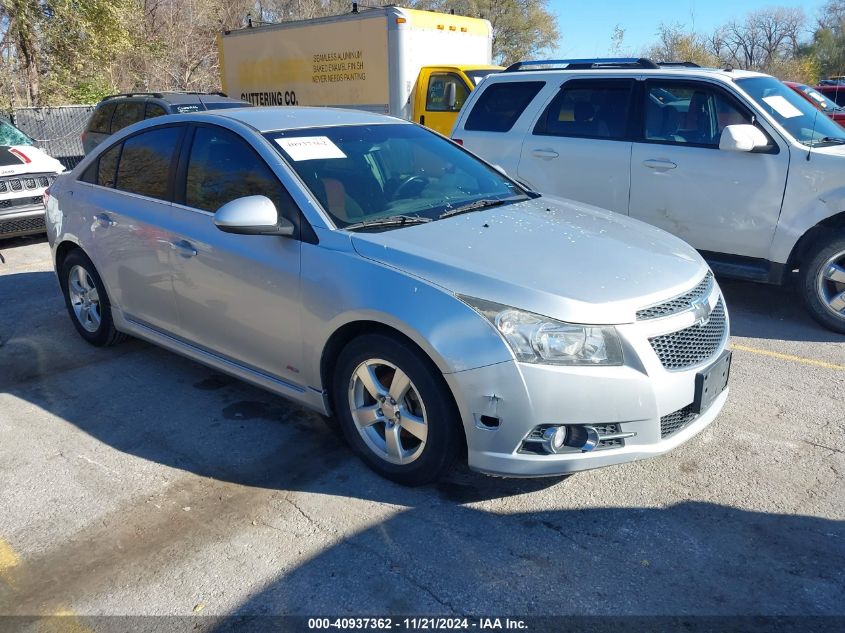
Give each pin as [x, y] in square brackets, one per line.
[554, 438]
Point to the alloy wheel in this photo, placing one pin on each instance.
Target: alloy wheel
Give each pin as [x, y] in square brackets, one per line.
[830, 284]
[84, 298]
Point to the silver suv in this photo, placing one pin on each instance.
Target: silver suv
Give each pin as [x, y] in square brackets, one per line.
[368, 268]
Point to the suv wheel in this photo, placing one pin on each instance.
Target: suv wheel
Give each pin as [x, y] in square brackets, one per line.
[395, 410]
[823, 282]
[87, 301]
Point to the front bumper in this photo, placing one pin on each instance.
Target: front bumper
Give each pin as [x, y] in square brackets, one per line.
[22, 220]
[501, 404]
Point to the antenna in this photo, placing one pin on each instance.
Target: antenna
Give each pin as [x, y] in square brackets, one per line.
[812, 136]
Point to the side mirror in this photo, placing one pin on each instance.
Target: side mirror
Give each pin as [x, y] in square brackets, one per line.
[252, 215]
[451, 95]
[742, 138]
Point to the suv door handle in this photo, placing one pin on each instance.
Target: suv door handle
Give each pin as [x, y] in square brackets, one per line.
[183, 248]
[545, 154]
[659, 165]
[104, 220]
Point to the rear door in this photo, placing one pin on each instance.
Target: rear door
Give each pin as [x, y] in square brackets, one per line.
[580, 145]
[127, 194]
[717, 201]
[238, 295]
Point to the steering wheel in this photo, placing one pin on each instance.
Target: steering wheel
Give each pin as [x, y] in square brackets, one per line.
[410, 187]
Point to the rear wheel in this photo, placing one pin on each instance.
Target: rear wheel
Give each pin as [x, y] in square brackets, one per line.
[86, 300]
[823, 282]
[395, 409]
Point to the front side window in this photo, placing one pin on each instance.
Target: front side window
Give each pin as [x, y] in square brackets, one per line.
[805, 123]
[361, 173]
[500, 105]
[223, 167]
[689, 113]
[146, 162]
[588, 109]
[126, 114]
[440, 88]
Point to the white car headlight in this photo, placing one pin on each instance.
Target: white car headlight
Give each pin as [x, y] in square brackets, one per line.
[538, 339]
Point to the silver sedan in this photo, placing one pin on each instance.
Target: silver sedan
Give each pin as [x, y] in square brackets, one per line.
[374, 271]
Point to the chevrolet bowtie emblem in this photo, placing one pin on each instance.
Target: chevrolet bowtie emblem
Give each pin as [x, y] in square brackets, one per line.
[701, 310]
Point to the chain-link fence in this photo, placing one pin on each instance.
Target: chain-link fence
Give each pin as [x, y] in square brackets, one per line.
[56, 130]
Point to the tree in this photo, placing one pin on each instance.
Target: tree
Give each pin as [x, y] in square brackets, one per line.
[677, 44]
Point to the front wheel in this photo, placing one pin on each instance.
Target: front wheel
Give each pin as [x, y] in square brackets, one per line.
[823, 282]
[395, 409]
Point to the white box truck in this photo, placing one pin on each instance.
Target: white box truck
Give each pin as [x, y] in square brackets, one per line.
[418, 65]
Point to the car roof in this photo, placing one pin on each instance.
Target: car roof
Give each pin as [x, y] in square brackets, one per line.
[268, 119]
[722, 74]
[175, 98]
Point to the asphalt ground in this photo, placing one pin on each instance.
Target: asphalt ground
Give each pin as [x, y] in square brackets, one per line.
[135, 482]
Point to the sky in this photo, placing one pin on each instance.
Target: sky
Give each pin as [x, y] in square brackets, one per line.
[586, 26]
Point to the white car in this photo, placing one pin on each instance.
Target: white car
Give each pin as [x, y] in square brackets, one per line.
[733, 162]
[25, 174]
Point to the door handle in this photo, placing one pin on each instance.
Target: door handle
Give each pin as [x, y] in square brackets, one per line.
[545, 154]
[422, 119]
[659, 165]
[183, 248]
[104, 220]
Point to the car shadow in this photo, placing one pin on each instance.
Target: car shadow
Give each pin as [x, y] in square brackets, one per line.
[765, 311]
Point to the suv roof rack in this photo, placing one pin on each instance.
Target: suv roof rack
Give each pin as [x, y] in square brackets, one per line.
[160, 95]
[678, 65]
[598, 63]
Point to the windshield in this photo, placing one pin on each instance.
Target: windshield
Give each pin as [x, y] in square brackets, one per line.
[479, 74]
[361, 173]
[804, 122]
[824, 103]
[10, 135]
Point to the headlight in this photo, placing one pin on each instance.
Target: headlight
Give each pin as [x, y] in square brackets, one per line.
[538, 339]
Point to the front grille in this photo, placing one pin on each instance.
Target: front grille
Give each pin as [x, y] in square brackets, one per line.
[35, 181]
[20, 202]
[674, 422]
[678, 304]
[693, 345]
[15, 184]
[24, 225]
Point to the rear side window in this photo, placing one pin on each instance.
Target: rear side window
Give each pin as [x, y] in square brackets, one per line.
[107, 166]
[588, 109]
[101, 119]
[153, 110]
[501, 104]
[127, 113]
[146, 162]
[223, 167]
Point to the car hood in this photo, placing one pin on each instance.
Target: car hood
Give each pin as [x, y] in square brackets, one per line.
[555, 257]
[26, 159]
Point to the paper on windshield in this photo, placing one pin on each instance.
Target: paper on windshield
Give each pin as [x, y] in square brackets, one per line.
[310, 148]
[782, 107]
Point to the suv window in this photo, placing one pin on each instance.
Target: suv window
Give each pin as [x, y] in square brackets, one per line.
[126, 113]
[436, 101]
[101, 119]
[146, 162]
[589, 109]
[223, 167]
[501, 104]
[153, 110]
[688, 113]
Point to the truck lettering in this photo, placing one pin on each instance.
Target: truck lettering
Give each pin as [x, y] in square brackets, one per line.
[270, 98]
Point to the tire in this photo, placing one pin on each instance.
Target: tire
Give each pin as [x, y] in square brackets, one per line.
[415, 447]
[822, 281]
[86, 300]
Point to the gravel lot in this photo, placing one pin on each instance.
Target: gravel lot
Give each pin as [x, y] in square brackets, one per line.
[133, 481]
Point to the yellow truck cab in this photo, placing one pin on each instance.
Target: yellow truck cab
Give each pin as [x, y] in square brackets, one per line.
[440, 93]
[417, 65]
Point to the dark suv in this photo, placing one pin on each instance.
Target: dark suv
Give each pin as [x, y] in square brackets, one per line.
[117, 111]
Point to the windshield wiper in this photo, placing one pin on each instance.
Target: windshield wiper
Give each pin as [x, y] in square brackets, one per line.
[835, 140]
[391, 220]
[484, 203]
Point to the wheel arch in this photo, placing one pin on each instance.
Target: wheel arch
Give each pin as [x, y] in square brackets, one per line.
[801, 249]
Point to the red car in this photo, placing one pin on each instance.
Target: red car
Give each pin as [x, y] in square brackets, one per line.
[822, 101]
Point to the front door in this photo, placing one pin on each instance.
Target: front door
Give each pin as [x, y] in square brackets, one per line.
[237, 295]
[444, 96]
[580, 146]
[717, 201]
